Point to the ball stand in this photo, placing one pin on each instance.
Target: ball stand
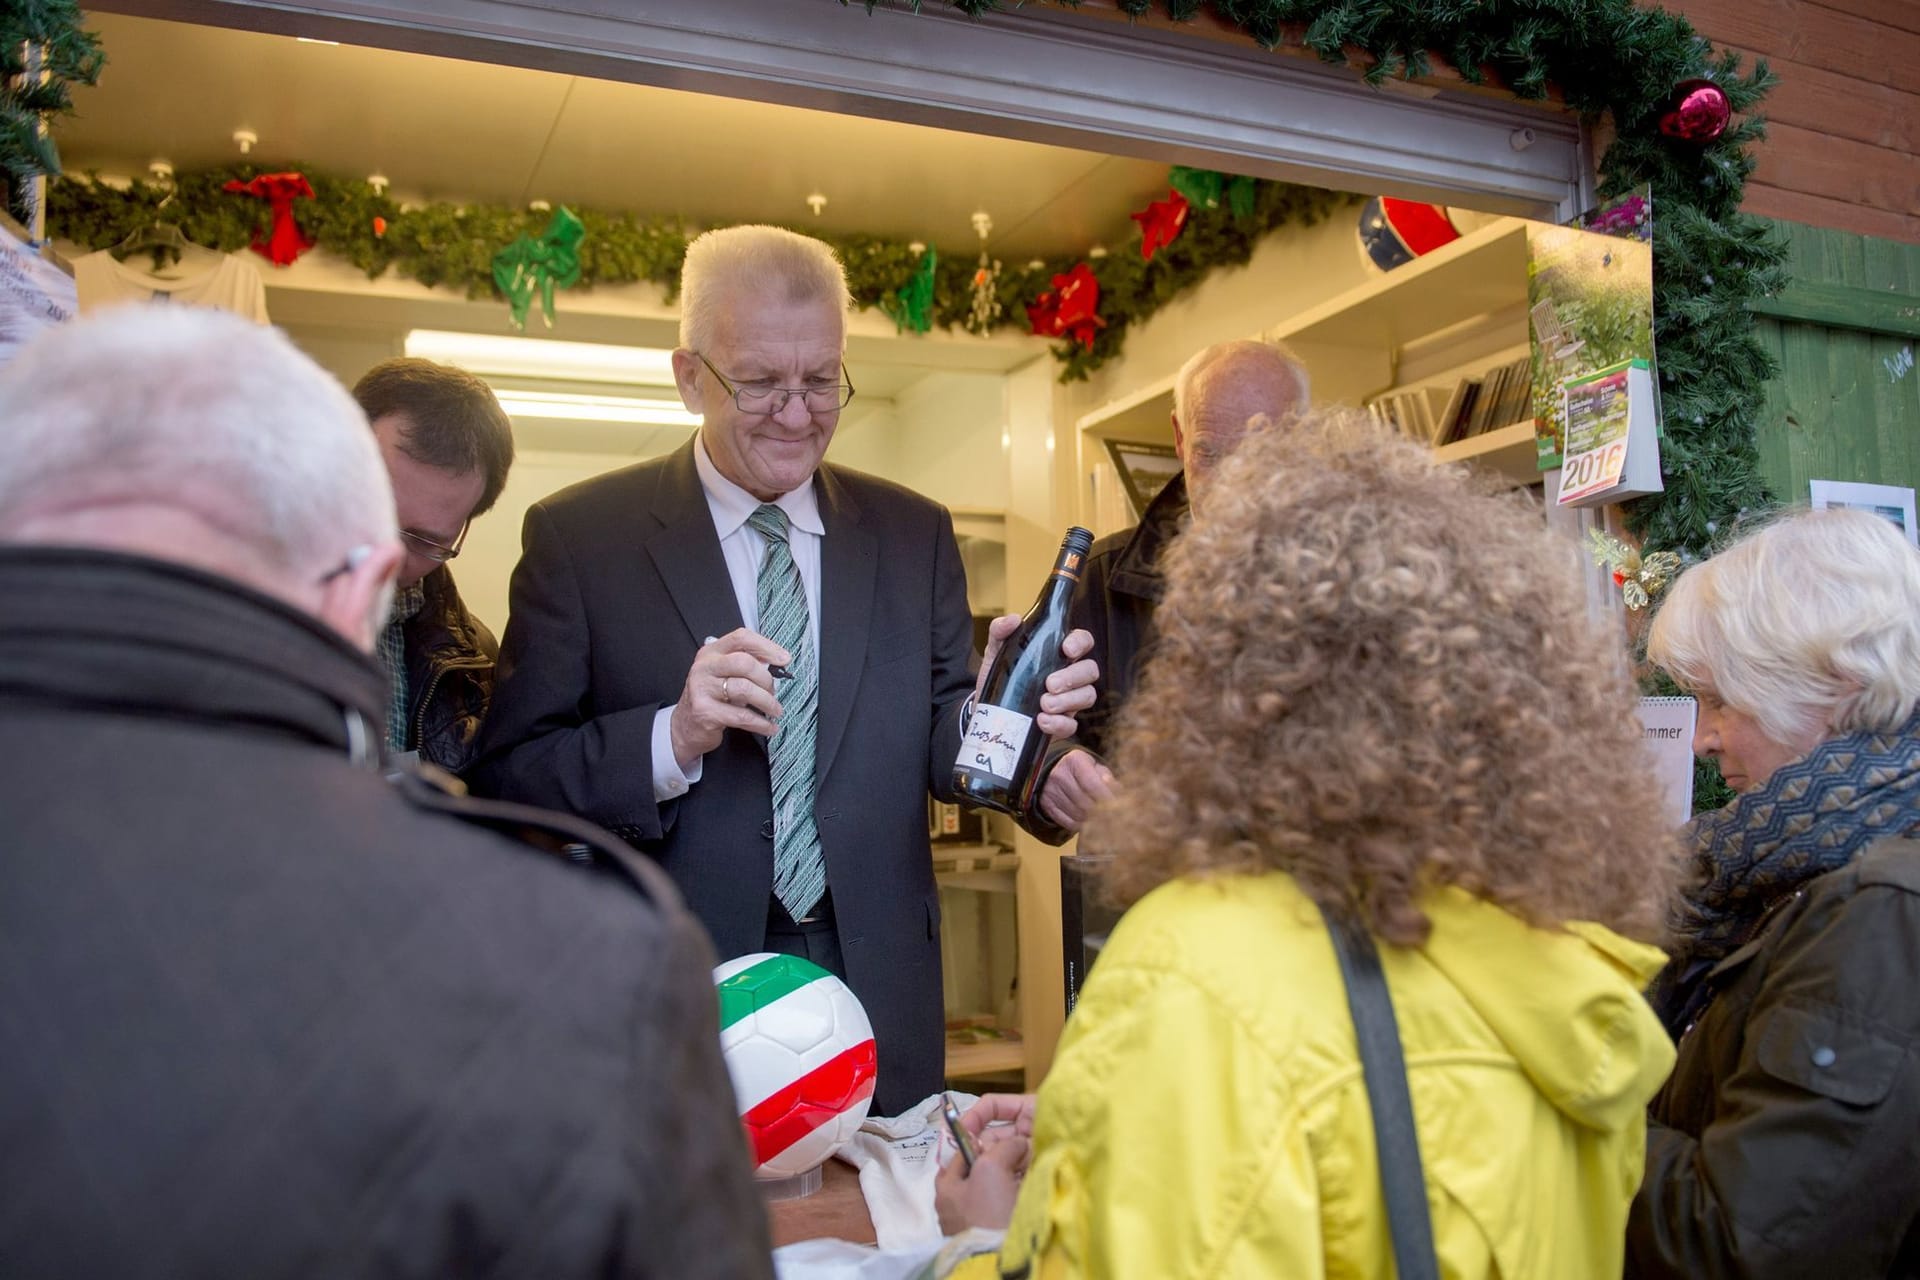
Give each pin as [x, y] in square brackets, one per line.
[798, 1187]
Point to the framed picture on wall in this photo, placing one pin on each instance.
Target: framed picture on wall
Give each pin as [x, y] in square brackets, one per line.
[1890, 502]
[1145, 468]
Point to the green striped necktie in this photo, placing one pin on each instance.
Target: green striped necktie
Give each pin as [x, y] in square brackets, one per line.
[799, 872]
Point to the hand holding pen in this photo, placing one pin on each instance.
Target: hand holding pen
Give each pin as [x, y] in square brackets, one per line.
[730, 685]
[774, 669]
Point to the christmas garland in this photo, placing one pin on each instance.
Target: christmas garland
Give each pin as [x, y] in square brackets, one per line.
[63, 54]
[458, 246]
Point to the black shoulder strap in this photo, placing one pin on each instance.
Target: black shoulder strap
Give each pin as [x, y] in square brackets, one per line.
[1394, 1138]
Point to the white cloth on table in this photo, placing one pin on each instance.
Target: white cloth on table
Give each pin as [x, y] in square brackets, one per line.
[840, 1260]
[898, 1158]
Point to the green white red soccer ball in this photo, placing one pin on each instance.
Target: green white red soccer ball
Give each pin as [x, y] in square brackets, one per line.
[800, 1053]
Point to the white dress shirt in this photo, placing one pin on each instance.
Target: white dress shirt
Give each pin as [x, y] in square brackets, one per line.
[744, 550]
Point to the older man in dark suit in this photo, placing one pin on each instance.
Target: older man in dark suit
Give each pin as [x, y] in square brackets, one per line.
[779, 772]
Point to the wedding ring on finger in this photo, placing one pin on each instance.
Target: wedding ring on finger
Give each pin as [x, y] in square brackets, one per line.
[726, 691]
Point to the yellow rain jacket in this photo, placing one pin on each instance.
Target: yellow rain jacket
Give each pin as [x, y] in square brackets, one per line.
[1206, 1114]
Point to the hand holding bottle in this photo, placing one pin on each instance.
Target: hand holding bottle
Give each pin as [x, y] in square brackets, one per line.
[1035, 677]
[1073, 787]
[1069, 690]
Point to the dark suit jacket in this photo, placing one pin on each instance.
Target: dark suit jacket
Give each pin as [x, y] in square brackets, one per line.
[620, 581]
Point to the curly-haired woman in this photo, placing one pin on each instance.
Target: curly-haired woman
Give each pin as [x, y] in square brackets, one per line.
[1788, 1141]
[1377, 692]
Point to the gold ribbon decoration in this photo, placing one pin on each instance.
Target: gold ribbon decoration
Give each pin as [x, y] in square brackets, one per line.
[1639, 577]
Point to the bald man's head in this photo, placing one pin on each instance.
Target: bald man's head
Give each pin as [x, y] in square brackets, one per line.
[1219, 392]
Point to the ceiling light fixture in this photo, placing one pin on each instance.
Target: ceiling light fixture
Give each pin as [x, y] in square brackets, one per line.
[498, 354]
[582, 408]
[311, 40]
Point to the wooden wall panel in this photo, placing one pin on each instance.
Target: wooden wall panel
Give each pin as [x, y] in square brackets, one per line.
[1844, 106]
[1846, 405]
[1904, 14]
[1844, 124]
[1811, 34]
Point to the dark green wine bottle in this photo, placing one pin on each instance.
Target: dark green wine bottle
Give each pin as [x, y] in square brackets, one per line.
[1002, 749]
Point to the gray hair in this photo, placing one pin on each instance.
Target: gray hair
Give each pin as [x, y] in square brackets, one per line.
[198, 411]
[758, 257]
[1811, 626]
[1248, 356]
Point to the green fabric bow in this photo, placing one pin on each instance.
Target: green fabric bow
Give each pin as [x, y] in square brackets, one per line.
[1203, 189]
[548, 263]
[911, 305]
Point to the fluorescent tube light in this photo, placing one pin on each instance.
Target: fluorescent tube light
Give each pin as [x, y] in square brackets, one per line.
[581, 408]
[498, 354]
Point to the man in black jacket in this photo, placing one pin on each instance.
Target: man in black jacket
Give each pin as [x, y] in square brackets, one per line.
[1216, 395]
[448, 446]
[263, 1011]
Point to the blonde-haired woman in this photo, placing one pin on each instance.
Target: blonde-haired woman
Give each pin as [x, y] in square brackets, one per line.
[1786, 1143]
[1376, 691]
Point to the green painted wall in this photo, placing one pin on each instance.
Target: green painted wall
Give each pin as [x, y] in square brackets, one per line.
[1846, 404]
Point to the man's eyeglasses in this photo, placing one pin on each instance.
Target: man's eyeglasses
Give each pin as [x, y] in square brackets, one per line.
[421, 545]
[758, 398]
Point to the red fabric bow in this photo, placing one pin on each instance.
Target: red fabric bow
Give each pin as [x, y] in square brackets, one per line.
[286, 241]
[1067, 309]
[1161, 223]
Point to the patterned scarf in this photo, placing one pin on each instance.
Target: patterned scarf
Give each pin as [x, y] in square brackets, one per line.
[1809, 818]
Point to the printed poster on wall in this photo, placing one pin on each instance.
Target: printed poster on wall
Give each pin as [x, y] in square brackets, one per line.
[1590, 304]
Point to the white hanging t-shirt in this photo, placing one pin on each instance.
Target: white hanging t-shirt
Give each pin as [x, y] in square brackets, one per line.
[232, 283]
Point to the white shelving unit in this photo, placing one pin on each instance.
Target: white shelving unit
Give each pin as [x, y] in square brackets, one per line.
[978, 885]
[1456, 312]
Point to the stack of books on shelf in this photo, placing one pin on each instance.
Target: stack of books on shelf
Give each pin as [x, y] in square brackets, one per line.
[1437, 415]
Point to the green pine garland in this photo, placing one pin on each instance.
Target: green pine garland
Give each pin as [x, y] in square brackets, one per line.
[66, 55]
[452, 245]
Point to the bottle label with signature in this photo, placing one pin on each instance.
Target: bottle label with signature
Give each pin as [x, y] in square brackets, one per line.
[994, 738]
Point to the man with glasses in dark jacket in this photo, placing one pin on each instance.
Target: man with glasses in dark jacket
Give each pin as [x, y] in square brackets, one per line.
[447, 445]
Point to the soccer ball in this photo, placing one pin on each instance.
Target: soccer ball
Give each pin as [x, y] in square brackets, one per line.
[1395, 232]
[799, 1050]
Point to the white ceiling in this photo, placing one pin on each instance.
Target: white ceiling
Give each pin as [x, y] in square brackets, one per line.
[440, 128]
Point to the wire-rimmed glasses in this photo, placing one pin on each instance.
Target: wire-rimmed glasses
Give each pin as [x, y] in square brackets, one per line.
[756, 398]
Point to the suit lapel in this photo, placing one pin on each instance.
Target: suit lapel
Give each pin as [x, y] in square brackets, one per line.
[686, 552]
[848, 564]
